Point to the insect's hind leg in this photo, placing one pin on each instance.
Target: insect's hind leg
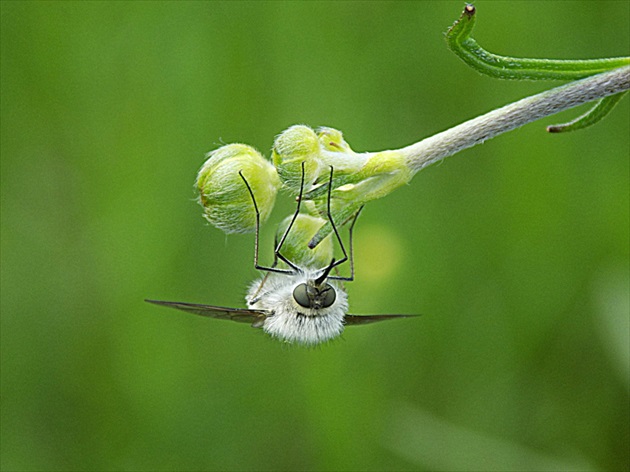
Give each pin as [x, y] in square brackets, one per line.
[338, 236]
[277, 253]
[351, 244]
[257, 238]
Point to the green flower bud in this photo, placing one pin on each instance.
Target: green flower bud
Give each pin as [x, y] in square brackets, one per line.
[331, 139]
[382, 173]
[336, 152]
[295, 247]
[297, 144]
[223, 194]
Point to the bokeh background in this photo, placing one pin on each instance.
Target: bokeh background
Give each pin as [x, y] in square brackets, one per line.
[516, 252]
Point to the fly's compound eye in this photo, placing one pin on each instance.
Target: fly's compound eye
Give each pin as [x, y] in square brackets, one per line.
[300, 295]
[328, 295]
[311, 297]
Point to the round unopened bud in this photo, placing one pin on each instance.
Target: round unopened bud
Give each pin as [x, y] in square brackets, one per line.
[298, 144]
[223, 193]
[295, 247]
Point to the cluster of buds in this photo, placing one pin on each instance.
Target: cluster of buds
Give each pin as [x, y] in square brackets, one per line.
[318, 162]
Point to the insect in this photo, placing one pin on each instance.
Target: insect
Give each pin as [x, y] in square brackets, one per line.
[300, 305]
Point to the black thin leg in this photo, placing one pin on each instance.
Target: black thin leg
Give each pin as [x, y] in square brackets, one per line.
[256, 242]
[277, 253]
[336, 231]
[332, 223]
[350, 232]
[351, 244]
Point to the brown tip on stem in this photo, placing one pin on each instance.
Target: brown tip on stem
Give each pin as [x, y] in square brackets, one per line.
[469, 9]
[553, 129]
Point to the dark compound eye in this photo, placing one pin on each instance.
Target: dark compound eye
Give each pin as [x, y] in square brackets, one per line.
[328, 295]
[300, 295]
[310, 297]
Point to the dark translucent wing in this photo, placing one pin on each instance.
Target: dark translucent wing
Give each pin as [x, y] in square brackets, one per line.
[242, 315]
[365, 319]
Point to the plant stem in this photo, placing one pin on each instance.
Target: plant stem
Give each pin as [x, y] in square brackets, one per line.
[459, 40]
[514, 115]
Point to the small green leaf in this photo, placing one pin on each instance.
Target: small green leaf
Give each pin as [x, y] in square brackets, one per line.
[595, 114]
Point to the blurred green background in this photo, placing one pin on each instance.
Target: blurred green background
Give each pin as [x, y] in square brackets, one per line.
[516, 251]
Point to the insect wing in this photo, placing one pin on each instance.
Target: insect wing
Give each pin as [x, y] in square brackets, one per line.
[242, 315]
[365, 319]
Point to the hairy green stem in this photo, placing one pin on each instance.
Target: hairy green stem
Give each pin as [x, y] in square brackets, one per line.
[514, 115]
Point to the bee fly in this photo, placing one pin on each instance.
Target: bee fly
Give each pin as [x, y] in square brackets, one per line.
[301, 305]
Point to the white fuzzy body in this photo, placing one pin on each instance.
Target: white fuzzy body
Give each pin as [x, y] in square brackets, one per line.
[288, 320]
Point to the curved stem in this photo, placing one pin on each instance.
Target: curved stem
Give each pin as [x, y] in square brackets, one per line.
[514, 115]
[459, 40]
